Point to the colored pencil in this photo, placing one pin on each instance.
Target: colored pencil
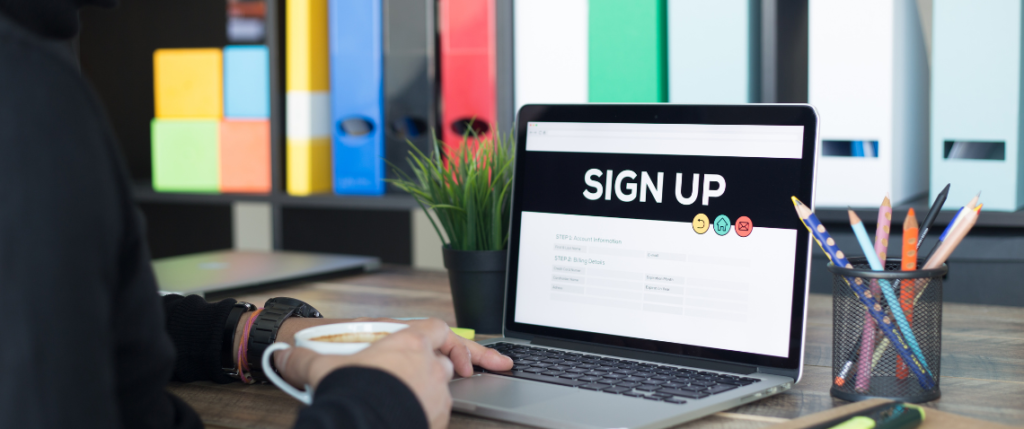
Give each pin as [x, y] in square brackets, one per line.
[908, 263]
[867, 340]
[960, 230]
[828, 245]
[952, 224]
[933, 212]
[887, 289]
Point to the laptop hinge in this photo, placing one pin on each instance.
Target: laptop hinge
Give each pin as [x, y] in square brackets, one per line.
[645, 355]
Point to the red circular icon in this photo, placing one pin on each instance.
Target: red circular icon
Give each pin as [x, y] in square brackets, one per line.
[744, 226]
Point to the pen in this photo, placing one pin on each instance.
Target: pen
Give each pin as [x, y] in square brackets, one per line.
[887, 289]
[952, 223]
[828, 245]
[933, 212]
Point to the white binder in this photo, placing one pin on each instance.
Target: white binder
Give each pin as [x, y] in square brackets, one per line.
[976, 102]
[868, 78]
[713, 51]
[551, 59]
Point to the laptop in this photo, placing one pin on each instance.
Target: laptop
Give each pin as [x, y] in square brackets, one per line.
[221, 270]
[657, 271]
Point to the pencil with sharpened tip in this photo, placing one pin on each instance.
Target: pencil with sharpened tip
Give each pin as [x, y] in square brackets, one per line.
[887, 289]
[933, 212]
[867, 342]
[908, 262]
[952, 224]
[828, 245]
[957, 234]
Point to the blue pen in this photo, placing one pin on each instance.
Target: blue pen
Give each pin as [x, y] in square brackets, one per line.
[887, 289]
[828, 245]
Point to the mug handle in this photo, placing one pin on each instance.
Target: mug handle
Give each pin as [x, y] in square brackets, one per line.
[306, 396]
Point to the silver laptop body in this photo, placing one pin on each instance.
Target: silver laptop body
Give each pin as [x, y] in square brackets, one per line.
[207, 272]
[566, 292]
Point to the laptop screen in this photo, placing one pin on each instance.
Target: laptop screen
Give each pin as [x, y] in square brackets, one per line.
[677, 233]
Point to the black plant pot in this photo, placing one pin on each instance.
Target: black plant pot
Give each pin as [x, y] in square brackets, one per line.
[478, 287]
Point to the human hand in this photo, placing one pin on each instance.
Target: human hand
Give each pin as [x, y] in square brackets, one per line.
[412, 355]
[462, 352]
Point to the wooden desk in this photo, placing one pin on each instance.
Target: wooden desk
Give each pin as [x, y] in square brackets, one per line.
[982, 358]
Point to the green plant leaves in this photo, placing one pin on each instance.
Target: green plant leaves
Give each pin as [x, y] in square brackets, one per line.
[468, 188]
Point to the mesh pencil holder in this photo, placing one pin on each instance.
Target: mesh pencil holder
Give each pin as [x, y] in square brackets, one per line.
[885, 374]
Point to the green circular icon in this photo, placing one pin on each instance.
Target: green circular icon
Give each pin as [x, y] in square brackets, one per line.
[722, 224]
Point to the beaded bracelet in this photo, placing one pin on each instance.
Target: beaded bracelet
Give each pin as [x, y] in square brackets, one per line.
[243, 361]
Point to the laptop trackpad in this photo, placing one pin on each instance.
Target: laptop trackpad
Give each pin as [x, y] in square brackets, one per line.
[503, 392]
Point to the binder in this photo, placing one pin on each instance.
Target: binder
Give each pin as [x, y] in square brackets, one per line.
[409, 76]
[626, 51]
[976, 102]
[468, 69]
[550, 48]
[713, 51]
[245, 156]
[307, 101]
[868, 79]
[357, 95]
[247, 82]
[185, 155]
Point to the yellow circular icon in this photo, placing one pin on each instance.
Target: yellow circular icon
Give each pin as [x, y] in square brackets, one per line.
[701, 223]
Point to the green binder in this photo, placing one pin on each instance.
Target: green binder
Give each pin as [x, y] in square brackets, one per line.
[628, 51]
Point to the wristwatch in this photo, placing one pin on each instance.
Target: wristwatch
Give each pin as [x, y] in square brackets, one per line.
[268, 323]
[227, 354]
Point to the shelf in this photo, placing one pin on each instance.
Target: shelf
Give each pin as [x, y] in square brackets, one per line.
[392, 202]
[988, 219]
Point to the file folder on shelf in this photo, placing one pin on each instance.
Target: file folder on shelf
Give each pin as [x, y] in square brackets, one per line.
[550, 51]
[245, 156]
[357, 95]
[187, 83]
[468, 69]
[409, 74]
[713, 51]
[976, 102]
[307, 101]
[247, 82]
[868, 78]
[626, 51]
[185, 155]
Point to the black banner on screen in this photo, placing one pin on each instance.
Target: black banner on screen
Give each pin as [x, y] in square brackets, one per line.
[759, 188]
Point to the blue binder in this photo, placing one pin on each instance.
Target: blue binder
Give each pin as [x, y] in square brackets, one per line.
[357, 95]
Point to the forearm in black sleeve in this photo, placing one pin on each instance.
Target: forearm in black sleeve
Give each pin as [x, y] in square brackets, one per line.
[358, 398]
[197, 331]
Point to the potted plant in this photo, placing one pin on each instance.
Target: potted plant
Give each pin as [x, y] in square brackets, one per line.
[468, 189]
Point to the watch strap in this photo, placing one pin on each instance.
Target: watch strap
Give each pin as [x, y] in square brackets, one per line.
[227, 355]
[267, 325]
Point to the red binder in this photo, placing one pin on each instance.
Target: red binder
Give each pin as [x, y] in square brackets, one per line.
[468, 69]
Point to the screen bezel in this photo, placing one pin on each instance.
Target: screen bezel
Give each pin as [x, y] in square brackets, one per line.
[750, 114]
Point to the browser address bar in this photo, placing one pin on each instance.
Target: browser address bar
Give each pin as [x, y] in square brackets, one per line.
[674, 135]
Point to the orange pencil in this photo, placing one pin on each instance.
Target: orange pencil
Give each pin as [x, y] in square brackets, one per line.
[909, 263]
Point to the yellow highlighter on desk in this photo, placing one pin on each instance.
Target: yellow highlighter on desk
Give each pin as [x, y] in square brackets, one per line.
[892, 415]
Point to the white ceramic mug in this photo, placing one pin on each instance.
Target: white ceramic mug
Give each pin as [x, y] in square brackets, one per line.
[304, 339]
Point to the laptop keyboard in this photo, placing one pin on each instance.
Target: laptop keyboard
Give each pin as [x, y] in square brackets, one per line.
[616, 376]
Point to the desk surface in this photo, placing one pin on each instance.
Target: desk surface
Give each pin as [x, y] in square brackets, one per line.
[982, 357]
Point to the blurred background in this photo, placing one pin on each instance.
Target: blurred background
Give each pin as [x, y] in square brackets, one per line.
[264, 124]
